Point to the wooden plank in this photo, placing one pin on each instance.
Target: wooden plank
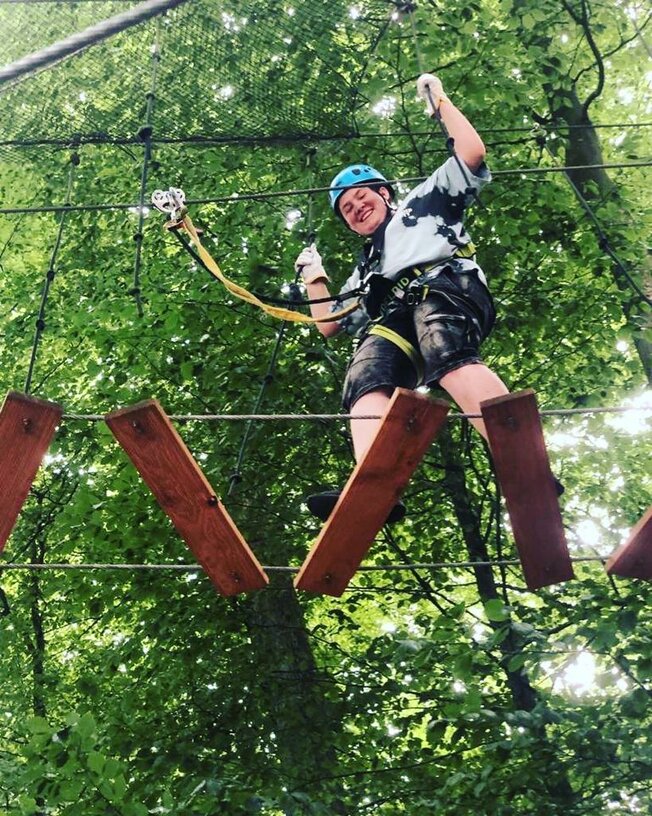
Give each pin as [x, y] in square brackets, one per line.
[408, 427]
[633, 559]
[183, 492]
[27, 426]
[521, 461]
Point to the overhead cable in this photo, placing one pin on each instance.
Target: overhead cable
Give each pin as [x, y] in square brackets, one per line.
[603, 241]
[83, 39]
[145, 135]
[504, 562]
[235, 198]
[302, 138]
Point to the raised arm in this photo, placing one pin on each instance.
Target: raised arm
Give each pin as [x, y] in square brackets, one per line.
[467, 142]
[314, 276]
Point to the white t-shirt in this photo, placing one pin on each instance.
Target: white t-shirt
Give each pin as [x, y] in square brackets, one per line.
[425, 229]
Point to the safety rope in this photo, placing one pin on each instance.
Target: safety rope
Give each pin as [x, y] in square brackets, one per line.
[504, 562]
[236, 198]
[236, 476]
[293, 303]
[603, 241]
[51, 272]
[436, 115]
[551, 412]
[145, 135]
[244, 294]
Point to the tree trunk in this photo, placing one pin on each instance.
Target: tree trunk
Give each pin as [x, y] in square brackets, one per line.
[37, 640]
[301, 714]
[524, 695]
[595, 186]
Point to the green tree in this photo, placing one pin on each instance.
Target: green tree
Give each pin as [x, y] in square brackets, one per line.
[451, 690]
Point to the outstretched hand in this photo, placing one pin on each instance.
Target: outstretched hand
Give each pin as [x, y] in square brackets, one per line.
[310, 265]
[430, 89]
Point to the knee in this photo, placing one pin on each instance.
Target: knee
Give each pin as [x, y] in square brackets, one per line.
[460, 375]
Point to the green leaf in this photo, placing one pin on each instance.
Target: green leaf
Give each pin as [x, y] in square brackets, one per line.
[259, 692]
[39, 725]
[495, 610]
[435, 731]
[516, 662]
[86, 727]
[27, 805]
[462, 667]
[96, 762]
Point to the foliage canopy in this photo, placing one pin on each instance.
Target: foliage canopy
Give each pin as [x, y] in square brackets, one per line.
[447, 691]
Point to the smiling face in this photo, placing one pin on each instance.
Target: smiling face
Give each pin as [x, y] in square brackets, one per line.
[364, 209]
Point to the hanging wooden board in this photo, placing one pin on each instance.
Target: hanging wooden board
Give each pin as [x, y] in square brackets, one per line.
[408, 427]
[523, 470]
[27, 426]
[183, 492]
[633, 559]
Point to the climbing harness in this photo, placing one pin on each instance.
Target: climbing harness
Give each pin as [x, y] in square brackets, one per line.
[403, 291]
[383, 292]
[394, 337]
[172, 203]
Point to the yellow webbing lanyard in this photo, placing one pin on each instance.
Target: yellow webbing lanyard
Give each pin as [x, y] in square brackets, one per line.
[467, 251]
[394, 337]
[244, 294]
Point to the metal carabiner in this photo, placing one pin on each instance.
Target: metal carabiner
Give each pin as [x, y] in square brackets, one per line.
[172, 202]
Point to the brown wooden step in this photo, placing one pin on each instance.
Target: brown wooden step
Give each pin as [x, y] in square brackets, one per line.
[183, 492]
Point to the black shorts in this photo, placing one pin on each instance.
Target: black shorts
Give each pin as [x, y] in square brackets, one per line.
[446, 329]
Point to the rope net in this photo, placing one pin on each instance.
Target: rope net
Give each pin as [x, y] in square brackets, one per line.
[240, 69]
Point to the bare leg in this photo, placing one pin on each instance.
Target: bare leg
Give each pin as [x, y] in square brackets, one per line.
[363, 431]
[470, 385]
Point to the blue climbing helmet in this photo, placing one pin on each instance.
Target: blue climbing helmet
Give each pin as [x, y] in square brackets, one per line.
[355, 175]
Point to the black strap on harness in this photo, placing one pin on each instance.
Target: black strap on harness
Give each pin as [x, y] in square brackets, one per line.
[383, 292]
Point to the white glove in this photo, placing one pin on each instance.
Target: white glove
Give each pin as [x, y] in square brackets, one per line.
[429, 87]
[310, 265]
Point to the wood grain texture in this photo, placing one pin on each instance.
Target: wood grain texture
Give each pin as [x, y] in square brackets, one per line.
[27, 426]
[633, 559]
[409, 425]
[521, 461]
[183, 492]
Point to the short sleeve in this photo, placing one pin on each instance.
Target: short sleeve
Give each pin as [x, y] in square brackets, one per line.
[453, 178]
